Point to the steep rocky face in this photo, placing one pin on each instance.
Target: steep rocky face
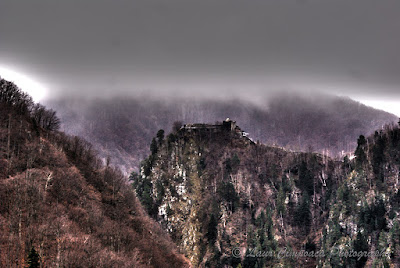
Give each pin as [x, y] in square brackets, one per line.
[216, 190]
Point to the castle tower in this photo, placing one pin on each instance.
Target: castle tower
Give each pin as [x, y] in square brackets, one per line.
[229, 125]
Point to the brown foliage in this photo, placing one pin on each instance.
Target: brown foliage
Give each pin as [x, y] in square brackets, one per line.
[58, 197]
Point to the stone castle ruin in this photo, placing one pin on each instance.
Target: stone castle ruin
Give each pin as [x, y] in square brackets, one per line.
[227, 127]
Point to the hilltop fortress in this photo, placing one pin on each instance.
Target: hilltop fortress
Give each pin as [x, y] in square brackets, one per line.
[227, 127]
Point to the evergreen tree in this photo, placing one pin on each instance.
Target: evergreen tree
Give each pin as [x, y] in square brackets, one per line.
[360, 245]
[269, 225]
[160, 136]
[346, 167]
[395, 239]
[235, 163]
[306, 179]
[286, 184]
[153, 146]
[361, 157]
[144, 187]
[378, 156]
[280, 202]
[147, 165]
[249, 260]
[33, 259]
[383, 241]
[228, 166]
[372, 218]
[260, 221]
[302, 215]
[366, 218]
[212, 231]
[171, 138]
[379, 211]
[201, 166]
[160, 192]
[226, 190]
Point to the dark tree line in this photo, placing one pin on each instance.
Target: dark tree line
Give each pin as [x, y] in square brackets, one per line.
[14, 100]
[11, 97]
[46, 119]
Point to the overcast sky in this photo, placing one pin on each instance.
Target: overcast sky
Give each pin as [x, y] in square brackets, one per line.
[205, 47]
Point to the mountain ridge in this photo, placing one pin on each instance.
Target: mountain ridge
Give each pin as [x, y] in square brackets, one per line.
[321, 123]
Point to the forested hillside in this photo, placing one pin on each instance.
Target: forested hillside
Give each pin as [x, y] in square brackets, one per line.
[123, 128]
[365, 212]
[205, 190]
[217, 191]
[60, 206]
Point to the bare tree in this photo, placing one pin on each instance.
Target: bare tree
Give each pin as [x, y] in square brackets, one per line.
[46, 119]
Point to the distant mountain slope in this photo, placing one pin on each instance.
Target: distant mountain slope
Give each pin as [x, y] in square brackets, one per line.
[123, 128]
[60, 206]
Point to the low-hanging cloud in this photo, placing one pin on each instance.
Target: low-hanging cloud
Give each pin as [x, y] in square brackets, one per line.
[205, 48]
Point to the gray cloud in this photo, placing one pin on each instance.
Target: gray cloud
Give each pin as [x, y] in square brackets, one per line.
[202, 47]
